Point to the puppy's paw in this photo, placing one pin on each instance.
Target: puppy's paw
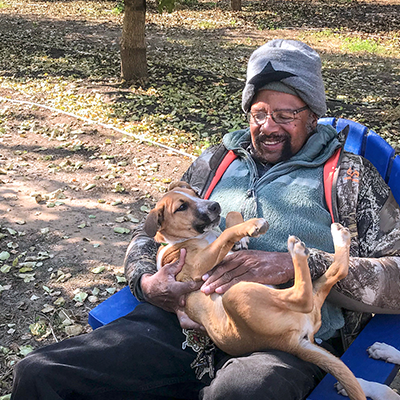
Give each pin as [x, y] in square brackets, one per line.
[340, 389]
[297, 247]
[258, 228]
[340, 235]
[383, 351]
[242, 244]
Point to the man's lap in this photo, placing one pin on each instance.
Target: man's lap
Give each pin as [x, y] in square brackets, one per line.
[142, 353]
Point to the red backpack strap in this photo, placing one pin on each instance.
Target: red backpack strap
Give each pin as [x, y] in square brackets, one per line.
[329, 173]
[229, 157]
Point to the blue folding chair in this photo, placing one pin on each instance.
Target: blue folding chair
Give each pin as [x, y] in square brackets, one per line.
[116, 306]
[355, 141]
[394, 178]
[380, 153]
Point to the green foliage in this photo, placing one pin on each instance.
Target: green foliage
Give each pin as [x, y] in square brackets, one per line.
[167, 5]
[119, 8]
[356, 45]
[207, 25]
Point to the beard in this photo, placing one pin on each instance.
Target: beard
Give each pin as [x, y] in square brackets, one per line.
[258, 153]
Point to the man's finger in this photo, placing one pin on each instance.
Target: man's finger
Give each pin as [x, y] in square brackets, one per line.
[176, 267]
[187, 287]
[186, 322]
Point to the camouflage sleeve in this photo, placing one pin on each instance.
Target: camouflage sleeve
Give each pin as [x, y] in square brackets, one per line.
[140, 258]
[373, 282]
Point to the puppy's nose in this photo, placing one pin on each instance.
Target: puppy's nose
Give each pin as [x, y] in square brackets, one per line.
[214, 207]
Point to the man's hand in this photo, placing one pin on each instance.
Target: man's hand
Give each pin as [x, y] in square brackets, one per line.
[164, 291]
[269, 268]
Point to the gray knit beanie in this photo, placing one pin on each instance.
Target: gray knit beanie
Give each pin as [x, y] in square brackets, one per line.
[287, 66]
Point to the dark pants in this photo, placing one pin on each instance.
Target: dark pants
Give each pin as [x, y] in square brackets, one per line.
[140, 357]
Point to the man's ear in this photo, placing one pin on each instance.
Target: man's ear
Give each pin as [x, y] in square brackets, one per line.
[153, 221]
[181, 184]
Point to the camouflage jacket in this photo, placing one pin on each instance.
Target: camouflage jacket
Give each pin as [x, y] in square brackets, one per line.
[361, 201]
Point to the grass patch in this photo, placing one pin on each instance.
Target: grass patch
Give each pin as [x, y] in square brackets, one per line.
[356, 45]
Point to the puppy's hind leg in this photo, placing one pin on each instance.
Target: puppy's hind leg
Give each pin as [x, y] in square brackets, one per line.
[339, 268]
[299, 297]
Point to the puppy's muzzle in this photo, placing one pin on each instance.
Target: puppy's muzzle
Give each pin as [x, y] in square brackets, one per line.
[208, 216]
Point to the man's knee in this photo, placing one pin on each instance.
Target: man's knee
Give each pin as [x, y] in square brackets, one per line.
[26, 373]
[272, 375]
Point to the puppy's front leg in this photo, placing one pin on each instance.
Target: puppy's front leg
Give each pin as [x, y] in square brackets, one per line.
[372, 390]
[385, 352]
[214, 253]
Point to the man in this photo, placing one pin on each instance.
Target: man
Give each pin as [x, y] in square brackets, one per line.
[277, 172]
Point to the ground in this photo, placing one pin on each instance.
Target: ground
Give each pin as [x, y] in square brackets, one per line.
[58, 232]
[71, 191]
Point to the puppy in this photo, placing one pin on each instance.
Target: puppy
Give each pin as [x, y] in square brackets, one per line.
[249, 316]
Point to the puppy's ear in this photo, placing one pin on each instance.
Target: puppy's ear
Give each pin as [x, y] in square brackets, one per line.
[181, 184]
[153, 221]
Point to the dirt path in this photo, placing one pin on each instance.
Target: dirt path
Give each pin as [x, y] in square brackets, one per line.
[59, 232]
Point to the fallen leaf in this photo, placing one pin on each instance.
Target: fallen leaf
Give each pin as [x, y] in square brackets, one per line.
[73, 330]
[5, 269]
[120, 229]
[47, 309]
[145, 209]
[25, 350]
[93, 299]
[80, 297]
[98, 270]
[121, 279]
[59, 302]
[38, 328]
[90, 186]
[4, 255]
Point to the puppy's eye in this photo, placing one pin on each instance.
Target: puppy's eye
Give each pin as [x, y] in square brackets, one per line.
[182, 207]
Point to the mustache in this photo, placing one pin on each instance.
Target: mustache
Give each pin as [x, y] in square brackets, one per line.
[266, 138]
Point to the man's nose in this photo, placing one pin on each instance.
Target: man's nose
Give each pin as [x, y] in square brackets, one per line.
[268, 125]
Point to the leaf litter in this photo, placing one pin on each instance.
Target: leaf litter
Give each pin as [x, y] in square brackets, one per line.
[51, 269]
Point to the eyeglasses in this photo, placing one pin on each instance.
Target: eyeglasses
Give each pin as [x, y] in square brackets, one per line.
[279, 117]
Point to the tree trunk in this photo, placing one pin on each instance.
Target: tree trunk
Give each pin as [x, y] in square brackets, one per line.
[133, 44]
[236, 5]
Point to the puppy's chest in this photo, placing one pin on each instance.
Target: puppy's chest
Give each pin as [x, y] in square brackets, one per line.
[171, 252]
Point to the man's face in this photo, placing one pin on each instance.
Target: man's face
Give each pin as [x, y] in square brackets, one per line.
[273, 142]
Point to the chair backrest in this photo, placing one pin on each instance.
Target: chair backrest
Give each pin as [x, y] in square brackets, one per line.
[356, 138]
[380, 153]
[367, 143]
[394, 178]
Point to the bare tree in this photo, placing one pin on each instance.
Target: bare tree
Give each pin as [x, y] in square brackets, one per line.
[133, 44]
[236, 5]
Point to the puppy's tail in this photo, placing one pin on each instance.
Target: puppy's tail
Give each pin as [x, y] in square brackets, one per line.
[310, 352]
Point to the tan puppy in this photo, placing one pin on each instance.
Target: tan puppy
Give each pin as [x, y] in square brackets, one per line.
[249, 316]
